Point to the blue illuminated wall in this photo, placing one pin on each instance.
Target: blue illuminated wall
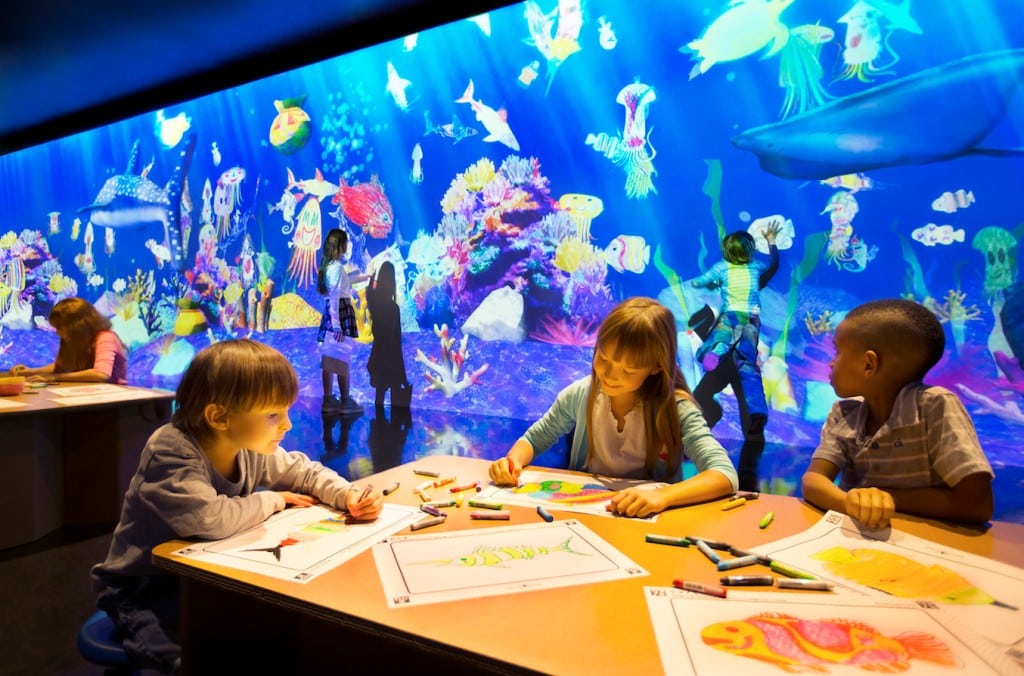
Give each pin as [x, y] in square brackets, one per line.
[548, 160]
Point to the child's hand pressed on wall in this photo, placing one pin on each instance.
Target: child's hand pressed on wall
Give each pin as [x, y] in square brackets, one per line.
[505, 471]
[873, 507]
[771, 231]
[637, 502]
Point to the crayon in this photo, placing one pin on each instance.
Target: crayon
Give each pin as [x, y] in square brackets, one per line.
[788, 571]
[423, 496]
[427, 523]
[737, 562]
[761, 558]
[484, 504]
[714, 544]
[816, 585]
[433, 511]
[426, 472]
[458, 501]
[709, 589]
[466, 487]
[425, 485]
[745, 495]
[391, 489]
[666, 540]
[747, 580]
[366, 491]
[733, 504]
[440, 503]
[766, 520]
[706, 550]
[443, 481]
[544, 514]
[500, 515]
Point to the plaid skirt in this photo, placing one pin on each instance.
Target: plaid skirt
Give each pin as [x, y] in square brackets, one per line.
[346, 316]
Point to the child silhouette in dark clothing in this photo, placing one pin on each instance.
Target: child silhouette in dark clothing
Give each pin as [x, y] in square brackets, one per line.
[387, 363]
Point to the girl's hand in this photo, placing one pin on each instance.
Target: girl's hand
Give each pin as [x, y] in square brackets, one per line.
[40, 379]
[637, 502]
[366, 509]
[297, 499]
[505, 471]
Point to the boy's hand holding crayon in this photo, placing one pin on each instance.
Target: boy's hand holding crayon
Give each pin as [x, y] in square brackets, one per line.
[637, 502]
[505, 471]
[364, 504]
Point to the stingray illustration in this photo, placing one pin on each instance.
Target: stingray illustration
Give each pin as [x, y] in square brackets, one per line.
[934, 115]
[131, 201]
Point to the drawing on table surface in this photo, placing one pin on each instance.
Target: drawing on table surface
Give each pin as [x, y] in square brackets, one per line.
[827, 633]
[463, 564]
[567, 492]
[792, 643]
[300, 543]
[904, 577]
[499, 555]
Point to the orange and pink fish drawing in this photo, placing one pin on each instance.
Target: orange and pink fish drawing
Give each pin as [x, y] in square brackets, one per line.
[568, 492]
[794, 644]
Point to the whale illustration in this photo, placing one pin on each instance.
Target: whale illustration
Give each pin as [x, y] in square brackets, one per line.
[131, 200]
[934, 115]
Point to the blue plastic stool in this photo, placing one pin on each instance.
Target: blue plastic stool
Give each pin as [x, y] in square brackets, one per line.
[98, 644]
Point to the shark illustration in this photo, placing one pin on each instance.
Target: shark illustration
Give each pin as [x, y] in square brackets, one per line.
[494, 121]
[131, 200]
[934, 115]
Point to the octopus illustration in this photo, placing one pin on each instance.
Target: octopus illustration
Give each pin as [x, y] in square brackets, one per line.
[226, 197]
[633, 150]
[306, 243]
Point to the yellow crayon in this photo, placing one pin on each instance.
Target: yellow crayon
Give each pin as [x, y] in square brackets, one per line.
[733, 504]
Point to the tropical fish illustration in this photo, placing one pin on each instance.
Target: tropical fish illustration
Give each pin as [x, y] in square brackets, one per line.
[291, 126]
[795, 644]
[555, 44]
[903, 577]
[483, 22]
[628, 252]
[605, 34]
[130, 200]
[416, 175]
[308, 533]
[494, 121]
[932, 234]
[497, 556]
[569, 492]
[215, 154]
[949, 202]
[851, 182]
[746, 27]
[170, 130]
[783, 238]
[528, 74]
[317, 186]
[868, 130]
[396, 86]
[453, 130]
[159, 251]
[366, 205]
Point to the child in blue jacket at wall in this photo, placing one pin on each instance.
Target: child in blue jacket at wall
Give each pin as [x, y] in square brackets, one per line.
[198, 478]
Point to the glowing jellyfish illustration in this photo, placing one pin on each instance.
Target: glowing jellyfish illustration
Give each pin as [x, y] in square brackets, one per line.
[582, 209]
[632, 151]
[867, 42]
[306, 243]
[800, 71]
[226, 197]
[998, 246]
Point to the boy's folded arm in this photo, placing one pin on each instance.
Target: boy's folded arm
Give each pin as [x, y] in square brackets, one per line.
[818, 486]
[970, 500]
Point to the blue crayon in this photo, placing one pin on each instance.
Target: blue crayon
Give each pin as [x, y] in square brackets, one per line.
[738, 562]
[707, 551]
[545, 514]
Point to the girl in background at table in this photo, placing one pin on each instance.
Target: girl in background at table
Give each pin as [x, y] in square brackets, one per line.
[198, 478]
[89, 351]
[339, 320]
[634, 417]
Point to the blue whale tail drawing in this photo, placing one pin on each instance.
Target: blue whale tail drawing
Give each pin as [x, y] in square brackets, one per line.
[934, 115]
[131, 200]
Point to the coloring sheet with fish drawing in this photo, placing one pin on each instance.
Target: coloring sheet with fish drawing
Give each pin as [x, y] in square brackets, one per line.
[568, 492]
[888, 563]
[761, 633]
[456, 565]
[299, 544]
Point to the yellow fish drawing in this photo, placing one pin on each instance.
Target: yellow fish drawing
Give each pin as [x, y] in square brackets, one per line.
[484, 555]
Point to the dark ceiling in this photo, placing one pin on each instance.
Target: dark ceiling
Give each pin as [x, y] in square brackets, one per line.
[68, 66]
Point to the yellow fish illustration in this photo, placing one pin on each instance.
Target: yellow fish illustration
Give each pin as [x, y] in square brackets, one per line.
[484, 555]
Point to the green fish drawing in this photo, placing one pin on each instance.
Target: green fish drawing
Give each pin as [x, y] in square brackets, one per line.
[484, 555]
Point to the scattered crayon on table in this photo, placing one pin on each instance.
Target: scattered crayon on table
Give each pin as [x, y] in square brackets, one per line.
[427, 523]
[748, 580]
[714, 544]
[499, 515]
[433, 511]
[425, 485]
[709, 589]
[423, 496]
[738, 562]
[667, 540]
[484, 504]
[426, 472]
[544, 514]
[789, 571]
[391, 489]
[766, 520]
[815, 585]
[733, 504]
[706, 550]
[444, 481]
[466, 487]
[436, 504]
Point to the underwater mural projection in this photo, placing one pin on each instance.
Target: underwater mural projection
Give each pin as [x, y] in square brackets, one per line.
[526, 169]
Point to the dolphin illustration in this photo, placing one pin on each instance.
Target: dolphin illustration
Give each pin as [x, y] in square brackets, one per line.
[934, 115]
[132, 200]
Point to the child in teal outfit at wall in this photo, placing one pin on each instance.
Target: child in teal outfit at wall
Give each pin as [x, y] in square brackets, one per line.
[634, 417]
[199, 478]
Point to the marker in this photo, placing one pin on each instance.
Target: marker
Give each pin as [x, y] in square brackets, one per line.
[545, 514]
[440, 503]
[733, 504]
[427, 523]
[816, 585]
[705, 549]
[500, 515]
[667, 540]
[366, 491]
[788, 571]
[433, 511]
[424, 486]
[426, 472]
[738, 562]
[466, 487]
[484, 504]
[714, 544]
[766, 520]
[443, 481]
[391, 489]
[747, 580]
[709, 589]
